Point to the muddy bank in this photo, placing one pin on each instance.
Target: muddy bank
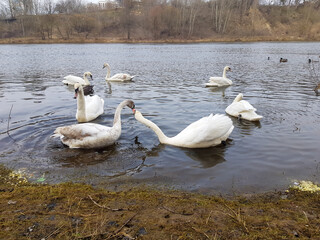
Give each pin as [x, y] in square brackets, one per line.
[77, 211]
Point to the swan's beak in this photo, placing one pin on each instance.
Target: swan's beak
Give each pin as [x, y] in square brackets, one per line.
[76, 93]
[103, 66]
[91, 77]
[134, 110]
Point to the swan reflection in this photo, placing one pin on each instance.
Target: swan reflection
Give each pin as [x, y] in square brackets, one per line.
[207, 157]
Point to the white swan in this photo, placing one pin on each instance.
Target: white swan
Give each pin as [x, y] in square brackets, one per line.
[220, 81]
[119, 77]
[242, 109]
[71, 80]
[206, 132]
[92, 135]
[88, 107]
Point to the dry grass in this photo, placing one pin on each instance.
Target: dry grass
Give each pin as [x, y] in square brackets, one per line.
[76, 211]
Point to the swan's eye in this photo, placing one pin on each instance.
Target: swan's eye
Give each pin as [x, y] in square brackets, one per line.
[76, 90]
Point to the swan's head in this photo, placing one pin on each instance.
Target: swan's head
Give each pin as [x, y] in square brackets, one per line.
[228, 69]
[105, 65]
[131, 105]
[88, 75]
[77, 88]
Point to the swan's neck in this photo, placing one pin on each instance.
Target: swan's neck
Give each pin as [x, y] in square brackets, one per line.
[224, 75]
[108, 71]
[162, 138]
[81, 106]
[86, 80]
[117, 114]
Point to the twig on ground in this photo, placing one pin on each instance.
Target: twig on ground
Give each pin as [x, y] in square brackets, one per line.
[238, 218]
[54, 232]
[197, 230]
[208, 217]
[114, 234]
[106, 207]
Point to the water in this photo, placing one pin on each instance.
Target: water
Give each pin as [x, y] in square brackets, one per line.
[169, 90]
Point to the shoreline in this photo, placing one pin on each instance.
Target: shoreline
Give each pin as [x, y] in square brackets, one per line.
[80, 211]
[151, 41]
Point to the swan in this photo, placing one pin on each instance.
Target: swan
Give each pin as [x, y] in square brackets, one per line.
[206, 132]
[88, 107]
[71, 80]
[220, 81]
[119, 77]
[242, 109]
[92, 135]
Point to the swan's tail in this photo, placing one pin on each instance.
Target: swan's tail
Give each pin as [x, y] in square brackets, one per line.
[56, 133]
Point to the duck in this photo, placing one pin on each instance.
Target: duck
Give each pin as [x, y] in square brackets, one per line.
[92, 135]
[220, 81]
[242, 109]
[119, 77]
[283, 60]
[311, 60]
[207, 132]
[88, 107]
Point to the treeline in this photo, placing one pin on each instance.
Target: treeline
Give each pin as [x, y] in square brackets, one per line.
[160, 19]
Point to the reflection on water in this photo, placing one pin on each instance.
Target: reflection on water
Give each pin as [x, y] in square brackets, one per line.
[170, 91]
[208, 157]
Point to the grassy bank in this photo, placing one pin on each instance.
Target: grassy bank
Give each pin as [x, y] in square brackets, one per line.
[78, 211]
[121, 40]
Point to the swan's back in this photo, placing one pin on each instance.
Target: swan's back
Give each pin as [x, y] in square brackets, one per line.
[87, 135]
[121, 77]
[219, 81]
[244, 109]
[71, 80]
[207, 131]
[94, 106]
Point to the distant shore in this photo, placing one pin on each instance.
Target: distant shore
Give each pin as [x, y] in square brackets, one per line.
[173, 40]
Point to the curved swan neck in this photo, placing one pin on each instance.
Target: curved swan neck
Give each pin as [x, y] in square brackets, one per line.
[86, 80]
[117, 114]
[162, 137]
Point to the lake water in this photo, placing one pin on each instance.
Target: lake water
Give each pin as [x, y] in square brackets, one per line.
[169, 90]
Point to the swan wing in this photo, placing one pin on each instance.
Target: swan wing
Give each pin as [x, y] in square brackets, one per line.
[81, 135]
[236, 108]
[205, 131]
[94, 106]
[71, 80]
[121, 77]
[244, 108]
[220, 81]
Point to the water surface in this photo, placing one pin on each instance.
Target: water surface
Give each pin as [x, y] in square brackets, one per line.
[169, 90]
